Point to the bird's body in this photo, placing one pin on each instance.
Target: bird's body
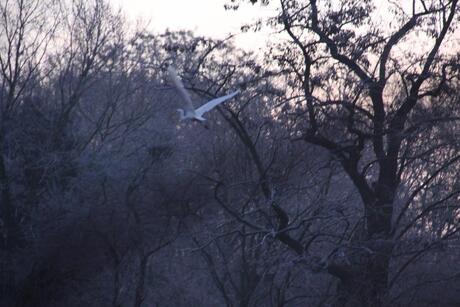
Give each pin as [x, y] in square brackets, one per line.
[189, 112]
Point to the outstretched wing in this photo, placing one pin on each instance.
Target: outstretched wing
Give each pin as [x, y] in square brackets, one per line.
[180, 87]
[213, 103]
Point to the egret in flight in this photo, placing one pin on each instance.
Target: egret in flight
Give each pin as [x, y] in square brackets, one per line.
[189, 111]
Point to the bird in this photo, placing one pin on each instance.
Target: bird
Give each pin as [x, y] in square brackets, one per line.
[189, 111]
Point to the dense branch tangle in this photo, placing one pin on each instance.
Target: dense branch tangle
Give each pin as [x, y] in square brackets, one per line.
[351, 76]
[321, 24]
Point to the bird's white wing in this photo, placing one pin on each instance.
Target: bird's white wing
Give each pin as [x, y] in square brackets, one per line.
[180, 87]
[213, 103]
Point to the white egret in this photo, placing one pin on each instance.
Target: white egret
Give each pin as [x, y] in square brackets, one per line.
[189, 111]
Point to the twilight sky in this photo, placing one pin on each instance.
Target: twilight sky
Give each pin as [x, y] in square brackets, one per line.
[209, 18]
[205, 17]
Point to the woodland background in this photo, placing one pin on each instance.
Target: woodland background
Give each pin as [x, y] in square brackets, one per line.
[331, 180]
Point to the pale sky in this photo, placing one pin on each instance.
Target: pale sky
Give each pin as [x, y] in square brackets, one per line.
[204, 17]
[209, 18]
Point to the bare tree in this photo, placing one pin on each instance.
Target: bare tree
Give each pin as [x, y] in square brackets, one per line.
[356, 97]
[26, 30]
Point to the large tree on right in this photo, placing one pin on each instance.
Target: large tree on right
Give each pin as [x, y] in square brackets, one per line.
[372, 83]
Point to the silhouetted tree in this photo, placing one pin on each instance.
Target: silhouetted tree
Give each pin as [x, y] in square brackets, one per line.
[357, 91]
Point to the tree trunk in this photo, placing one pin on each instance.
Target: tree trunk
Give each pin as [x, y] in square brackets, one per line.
[140, 286]
[364, 284]
[363, 266]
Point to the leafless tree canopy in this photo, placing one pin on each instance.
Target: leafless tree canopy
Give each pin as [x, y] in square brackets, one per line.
[331, 180]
